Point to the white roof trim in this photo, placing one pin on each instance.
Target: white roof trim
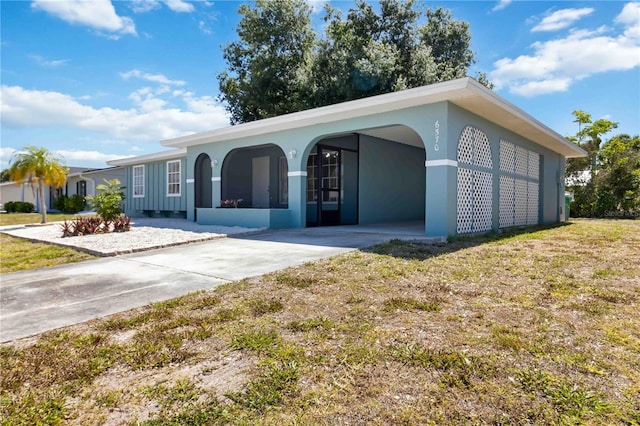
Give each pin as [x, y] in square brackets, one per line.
[157, 156]
[465, 92]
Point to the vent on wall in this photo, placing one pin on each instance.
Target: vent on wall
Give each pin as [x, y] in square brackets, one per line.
[519, 186]
[475, 182]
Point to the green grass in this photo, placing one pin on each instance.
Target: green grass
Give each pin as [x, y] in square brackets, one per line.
[534, 326]
[18, 254]
[28, 218]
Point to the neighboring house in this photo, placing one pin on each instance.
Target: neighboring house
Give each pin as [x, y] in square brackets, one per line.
[80, 181]
[454, 155]
[84, 182]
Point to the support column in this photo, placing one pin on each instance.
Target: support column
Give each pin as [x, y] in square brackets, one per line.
[190, 199]
[440, 211]
[298, 198]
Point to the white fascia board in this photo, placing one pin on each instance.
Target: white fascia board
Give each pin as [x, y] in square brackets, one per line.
[156, 156]
[93, 171]
[556, 142]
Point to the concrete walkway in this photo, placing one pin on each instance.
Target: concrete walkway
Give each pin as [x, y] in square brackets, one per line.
[32, 302]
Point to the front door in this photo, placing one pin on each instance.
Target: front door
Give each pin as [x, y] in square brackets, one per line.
[329, 186]
[260, 182]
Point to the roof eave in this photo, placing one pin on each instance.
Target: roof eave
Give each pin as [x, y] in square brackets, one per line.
[352, 109]
[465, 92]
[156, 156]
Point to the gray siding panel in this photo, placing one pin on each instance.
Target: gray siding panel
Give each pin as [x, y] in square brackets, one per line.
[155, 198]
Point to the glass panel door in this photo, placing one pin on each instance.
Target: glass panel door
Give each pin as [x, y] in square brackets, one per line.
[329, 177]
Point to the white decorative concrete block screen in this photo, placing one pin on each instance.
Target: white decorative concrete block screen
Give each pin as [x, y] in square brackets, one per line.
[519, 185]
[475, 182]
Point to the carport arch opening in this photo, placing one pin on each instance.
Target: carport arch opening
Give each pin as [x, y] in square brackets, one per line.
[367, 176]
[266, 184]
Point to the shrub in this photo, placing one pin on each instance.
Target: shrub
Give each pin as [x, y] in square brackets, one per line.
[72, 205]
[108, 199]
[94, 225]
[19, 207]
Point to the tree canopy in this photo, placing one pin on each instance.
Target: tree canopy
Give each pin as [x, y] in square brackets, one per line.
[280, 64]
[39, 167]
[605, 183]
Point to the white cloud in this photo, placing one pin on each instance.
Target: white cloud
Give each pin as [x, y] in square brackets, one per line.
[630, 18]
[501, 5]
[48, 63]
[562, 19]
[143, 6]
[6, 154]
[204, 27]
[97, 14]
[150, 118]
[88, 156]
[317, 6]
[556, 64]
[156, 78]
[179, 6]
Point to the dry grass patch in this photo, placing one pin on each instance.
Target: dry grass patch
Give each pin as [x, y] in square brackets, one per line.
[535, 326]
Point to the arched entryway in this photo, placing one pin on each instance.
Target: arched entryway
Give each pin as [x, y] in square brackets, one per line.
[370, 176]
[255, 177]
[202, 176]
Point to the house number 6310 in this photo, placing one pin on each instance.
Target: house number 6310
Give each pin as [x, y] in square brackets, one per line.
[436, 134]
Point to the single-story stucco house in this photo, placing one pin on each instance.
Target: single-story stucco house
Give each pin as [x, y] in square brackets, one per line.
[80, 180]
[453, 155]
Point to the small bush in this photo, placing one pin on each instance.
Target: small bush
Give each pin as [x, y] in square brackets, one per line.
[71, 205]
[108, 200]
[19, 207]
[94, 225]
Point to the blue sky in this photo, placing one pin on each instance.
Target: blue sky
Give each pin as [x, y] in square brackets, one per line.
[98, 80]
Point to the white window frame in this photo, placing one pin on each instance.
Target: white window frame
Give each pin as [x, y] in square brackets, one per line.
[178, 183]
[136, 187]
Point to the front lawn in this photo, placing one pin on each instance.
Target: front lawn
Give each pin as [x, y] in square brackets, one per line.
[540, 326]
[27, 218]
[18, 254]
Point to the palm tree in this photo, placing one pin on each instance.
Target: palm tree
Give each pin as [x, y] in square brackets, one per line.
[40, 167]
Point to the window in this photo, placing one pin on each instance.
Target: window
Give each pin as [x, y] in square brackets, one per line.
[81, 188]
[138, 181]
[283, 169]
[330, 174]
[312, 195]
[173, 178]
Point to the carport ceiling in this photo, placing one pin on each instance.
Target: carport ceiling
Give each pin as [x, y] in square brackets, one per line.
[400, 134]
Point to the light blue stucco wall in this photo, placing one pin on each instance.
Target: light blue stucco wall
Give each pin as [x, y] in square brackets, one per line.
[395, 181]
[392, 183]
[551, 180]
[420, 119]
[155, 197]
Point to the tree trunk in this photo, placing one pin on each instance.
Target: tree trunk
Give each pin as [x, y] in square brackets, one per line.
[43, 206]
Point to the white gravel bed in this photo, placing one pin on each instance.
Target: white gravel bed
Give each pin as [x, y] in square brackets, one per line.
[145, 234]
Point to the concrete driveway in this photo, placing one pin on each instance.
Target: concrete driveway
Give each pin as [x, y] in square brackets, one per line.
[32, 302]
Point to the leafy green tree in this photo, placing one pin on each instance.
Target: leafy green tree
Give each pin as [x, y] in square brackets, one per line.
[589, 138]
[39, 167]
[368, 53]
[607, 181]
[280, 65]
[5, 176]
[617, 183]
[449, 40]
[108, 199]
[265, 67]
